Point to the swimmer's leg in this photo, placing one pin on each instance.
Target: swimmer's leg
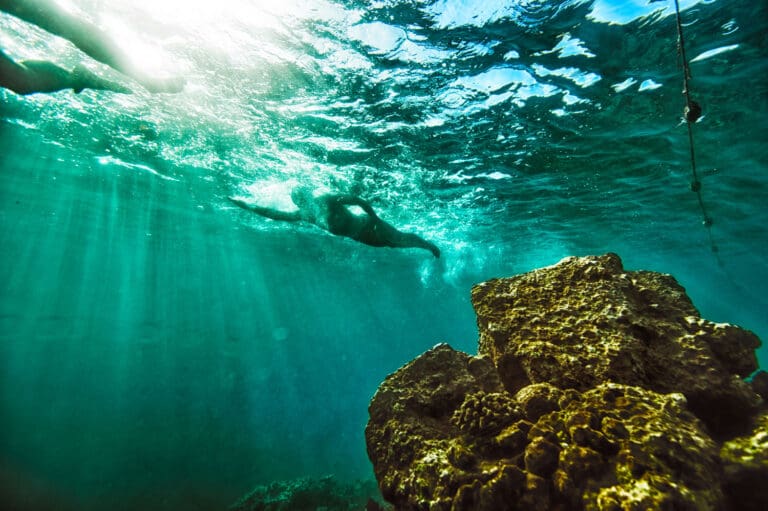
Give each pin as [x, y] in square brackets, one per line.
[382, 234]
[31, 76]
[82, 78]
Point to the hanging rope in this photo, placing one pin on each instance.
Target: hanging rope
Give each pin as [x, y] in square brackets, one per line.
[691, 113]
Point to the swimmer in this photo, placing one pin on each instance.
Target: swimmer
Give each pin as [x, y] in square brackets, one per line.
[89, 38]
[31, 76]
[329, 212]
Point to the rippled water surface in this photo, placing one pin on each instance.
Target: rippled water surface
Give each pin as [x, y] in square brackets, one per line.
[162, 348]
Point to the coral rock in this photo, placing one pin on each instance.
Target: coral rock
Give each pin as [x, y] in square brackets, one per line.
[614, 445]
[418, 418]
[760, 384]
[307, 493]
[595, 389]
[745, 461]
[586, 320]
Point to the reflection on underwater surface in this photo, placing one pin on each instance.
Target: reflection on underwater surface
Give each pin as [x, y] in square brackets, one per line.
[160, 345]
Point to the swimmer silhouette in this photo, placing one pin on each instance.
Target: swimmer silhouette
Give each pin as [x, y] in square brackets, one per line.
[31, 76]
[89, 38]
[329, 212]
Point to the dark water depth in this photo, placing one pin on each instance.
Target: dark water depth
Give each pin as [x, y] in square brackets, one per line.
[161, 349]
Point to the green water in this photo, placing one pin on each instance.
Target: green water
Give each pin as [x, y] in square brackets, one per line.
[155, 349]
[161, 349]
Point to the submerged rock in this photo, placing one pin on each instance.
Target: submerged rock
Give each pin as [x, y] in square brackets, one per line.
[585, 321]
[745, 462]
[308, 494]
[595, 389]
[413, 431]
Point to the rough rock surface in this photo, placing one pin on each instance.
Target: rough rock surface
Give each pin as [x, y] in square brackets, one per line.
[308, 494]
[745, 461]
[414, 426]
[595, 389]
[586, 321]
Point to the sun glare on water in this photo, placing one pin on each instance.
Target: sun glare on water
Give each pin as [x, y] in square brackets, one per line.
[189, 14]
[148, 30]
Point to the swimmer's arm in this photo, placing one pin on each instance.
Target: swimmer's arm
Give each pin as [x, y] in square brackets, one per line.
[274, 214]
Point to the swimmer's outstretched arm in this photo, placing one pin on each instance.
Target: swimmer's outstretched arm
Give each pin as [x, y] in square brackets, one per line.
[274, 214]
[89, 38]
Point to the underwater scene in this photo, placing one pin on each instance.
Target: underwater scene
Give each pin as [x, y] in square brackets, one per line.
[224, 224]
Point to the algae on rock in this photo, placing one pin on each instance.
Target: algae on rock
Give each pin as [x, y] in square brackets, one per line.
[586, 320]
[594, 389]
[311, 494]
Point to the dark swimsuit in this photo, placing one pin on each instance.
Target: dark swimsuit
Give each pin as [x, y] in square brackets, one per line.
[364, 229]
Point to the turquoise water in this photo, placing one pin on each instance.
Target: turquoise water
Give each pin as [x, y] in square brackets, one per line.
[161, 349]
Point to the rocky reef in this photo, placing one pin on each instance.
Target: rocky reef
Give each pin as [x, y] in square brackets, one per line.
[312, 494]
[594, 388]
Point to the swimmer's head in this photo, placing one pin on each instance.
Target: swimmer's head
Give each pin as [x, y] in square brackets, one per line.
[302, 196]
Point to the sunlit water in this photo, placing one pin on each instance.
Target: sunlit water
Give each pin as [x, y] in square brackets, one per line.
[161, 348]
